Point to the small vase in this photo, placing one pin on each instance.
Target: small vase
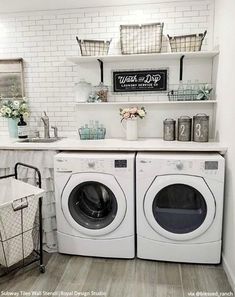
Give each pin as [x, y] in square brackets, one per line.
[131, 129]
[13, 128]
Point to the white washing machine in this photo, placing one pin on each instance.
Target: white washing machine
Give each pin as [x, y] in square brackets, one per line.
[179, 206]
[95, 204]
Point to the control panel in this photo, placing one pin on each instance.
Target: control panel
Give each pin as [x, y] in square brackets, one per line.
[181, 166]
[90, 165]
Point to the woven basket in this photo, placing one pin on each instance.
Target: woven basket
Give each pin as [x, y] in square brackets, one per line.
[141, 39]
[93, 47]
[187, 43]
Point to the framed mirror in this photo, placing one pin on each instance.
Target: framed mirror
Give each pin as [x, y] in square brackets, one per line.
[11, 78]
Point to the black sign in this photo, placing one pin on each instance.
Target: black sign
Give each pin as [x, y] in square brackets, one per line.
[140, 81]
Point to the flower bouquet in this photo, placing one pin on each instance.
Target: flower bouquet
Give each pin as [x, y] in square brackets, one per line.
[131, 115]
[12, 109]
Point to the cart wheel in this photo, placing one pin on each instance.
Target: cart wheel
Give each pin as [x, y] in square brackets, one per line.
[42, 269]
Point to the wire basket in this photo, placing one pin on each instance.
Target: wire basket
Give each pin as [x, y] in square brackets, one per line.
[141, 39]
[187, 43]
[20, 222]
[182, 95]
[92, 133]
[19, 231]
[190, 92]
[93, 47]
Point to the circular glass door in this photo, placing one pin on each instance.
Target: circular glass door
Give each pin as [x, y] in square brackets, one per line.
[93, 203]
[179, 207]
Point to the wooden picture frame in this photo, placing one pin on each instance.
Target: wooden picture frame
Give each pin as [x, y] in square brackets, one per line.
[11, 79]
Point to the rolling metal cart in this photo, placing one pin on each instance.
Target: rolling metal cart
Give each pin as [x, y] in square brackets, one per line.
[21, 236]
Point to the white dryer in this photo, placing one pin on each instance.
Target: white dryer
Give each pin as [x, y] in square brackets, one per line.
[179, 206]
[95, 204]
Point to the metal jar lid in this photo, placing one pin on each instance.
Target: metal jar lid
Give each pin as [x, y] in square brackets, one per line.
[201, 116]
[169, 121]
[185, 119]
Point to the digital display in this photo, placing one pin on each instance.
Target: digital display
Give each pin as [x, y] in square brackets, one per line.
[120, 163]
[211, 165]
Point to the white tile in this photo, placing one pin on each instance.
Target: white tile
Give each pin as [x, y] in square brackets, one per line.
[45, 39]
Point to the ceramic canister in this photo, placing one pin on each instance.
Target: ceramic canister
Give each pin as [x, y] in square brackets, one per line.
[184, 128]
[201, 128]
[169, 129]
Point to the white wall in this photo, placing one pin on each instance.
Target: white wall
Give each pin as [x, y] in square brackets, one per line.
[45, 39]
[224, 26]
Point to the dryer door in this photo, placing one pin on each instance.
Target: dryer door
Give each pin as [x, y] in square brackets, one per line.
[93, 203]
[179, 207]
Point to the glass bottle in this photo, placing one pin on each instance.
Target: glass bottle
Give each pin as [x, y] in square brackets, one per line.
[180, 92]
[22, 128]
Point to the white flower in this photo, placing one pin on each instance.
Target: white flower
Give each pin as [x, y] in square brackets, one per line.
[141, 113]
[15, 113]
[125, 110]
[3, 110]
[25, 114]
[8, 110]
[133, 110]
[23, 105]
[16, 104]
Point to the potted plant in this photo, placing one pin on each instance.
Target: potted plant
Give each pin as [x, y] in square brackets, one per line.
[12, 109]
[131, 115]
[204, 93]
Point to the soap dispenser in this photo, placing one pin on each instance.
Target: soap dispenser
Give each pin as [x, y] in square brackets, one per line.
[22, 128]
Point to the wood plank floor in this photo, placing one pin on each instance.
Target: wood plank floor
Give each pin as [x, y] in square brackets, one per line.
[116, 278]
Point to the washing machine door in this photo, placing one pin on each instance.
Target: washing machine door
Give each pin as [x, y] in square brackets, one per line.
[179, 207]
[93, 203]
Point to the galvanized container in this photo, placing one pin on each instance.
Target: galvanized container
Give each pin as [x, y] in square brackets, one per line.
[169, 129]
[184, 128]
[201, 127]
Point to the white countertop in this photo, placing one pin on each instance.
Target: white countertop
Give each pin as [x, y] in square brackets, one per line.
[143, 144]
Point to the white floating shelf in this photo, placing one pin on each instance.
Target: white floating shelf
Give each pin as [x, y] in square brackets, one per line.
[144, 57]
[144, 103]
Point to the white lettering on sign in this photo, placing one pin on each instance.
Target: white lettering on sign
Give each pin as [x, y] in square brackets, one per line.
[127, 79]
[152, 78]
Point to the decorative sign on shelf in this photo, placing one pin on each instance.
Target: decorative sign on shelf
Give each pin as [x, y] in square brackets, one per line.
[140, 80]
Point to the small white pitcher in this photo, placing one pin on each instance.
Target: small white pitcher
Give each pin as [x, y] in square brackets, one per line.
[131, 129]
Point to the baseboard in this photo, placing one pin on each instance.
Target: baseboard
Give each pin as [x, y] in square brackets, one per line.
[229, 273]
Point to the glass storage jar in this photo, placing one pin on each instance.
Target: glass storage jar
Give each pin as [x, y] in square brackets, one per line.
[82, 91]
[102, 92]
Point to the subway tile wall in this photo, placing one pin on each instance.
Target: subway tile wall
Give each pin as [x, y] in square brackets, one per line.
[45, 39]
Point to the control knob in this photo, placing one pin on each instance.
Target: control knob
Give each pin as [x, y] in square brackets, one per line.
[91, 164]
[179, 165]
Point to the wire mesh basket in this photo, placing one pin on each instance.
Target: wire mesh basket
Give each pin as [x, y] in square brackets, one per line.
[20, 223]
[182, 95]
[186, 43]
[191, 92]
[141, 39]
[92, 133]
[93, 47]
[16, 230]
